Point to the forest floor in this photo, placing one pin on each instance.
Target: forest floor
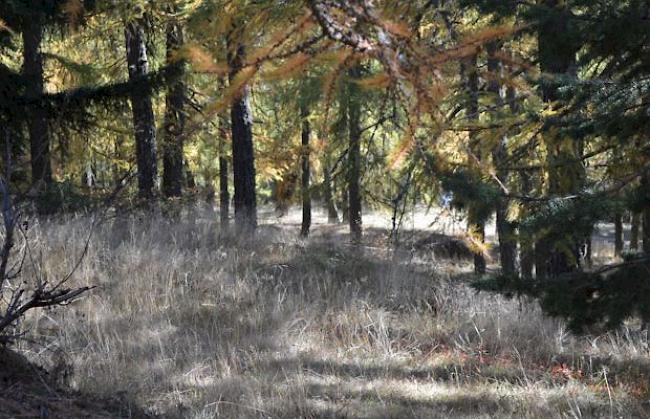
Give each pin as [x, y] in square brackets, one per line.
[187, 324]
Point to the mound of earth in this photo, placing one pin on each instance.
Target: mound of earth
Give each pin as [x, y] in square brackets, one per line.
[28, 391]
[445, 247]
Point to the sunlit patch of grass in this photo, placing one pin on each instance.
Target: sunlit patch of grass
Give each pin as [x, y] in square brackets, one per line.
[193, 324]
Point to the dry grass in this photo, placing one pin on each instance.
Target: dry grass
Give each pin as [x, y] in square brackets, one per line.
[192, 325]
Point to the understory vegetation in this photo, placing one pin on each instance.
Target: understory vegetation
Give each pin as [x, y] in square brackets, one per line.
[190, 323]
[324, 209]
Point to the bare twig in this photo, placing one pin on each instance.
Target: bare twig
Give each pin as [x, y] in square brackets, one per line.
[18, 300]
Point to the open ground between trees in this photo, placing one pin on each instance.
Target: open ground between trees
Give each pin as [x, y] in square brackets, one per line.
[531, 114]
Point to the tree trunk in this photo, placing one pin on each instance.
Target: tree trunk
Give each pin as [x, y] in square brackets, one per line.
[563, 179]
[505, 229]
[328, 194]
[645, 214]
[480, 265]
[39, 134]
[7, 152]
[507, 238]
[646, 231]
[64, 152]
[527, 251]
[242, 151]
[143, 117]
[118, 173]
[354, 157]
[224, 194]
[476, 226]
[305, 154]
[190, 181]
[344, 203]
[172, 178]
[618, 234]
[634, 233]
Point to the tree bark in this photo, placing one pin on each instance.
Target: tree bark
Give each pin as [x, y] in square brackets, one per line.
[305, 154]
[242, 150]
[480, 265]
[354, 157]
[190, 181]
[39, 134]
[645, 214]
[118, 173]
[618, 234]
[328, 194]
[527, 251]
[507, 238]
[172, 178]
[143, 116]
[634, 233]
[224, 194]
[505, 229]
[344, 203]
[562, 179]
[526, 248]
[646, 231]
[469, 71]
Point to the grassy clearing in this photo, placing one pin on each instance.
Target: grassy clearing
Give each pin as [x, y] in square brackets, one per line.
[188, 324]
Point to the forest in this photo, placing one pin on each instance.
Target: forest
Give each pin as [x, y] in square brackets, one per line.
[325, 209]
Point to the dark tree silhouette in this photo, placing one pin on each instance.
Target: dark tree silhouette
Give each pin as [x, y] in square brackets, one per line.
[143, 116]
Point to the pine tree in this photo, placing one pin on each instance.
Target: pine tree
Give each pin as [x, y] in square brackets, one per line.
[242, 146]
[224, 194]
[143, 116]
[31, 19]
[306, 168]
[173, 159]
[553, 259]
[618, 234]
[505, 230]
[354, 155]
[634, 233]
[476, 223]
[328, 194]
[39, 136]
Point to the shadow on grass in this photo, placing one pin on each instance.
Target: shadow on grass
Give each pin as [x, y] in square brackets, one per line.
[325, 273]
[334, 401]
[222, 344]
[452, 372]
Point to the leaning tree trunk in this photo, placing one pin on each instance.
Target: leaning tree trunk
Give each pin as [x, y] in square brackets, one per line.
[39, 134]
[476, 225]
[305, 154]
[563, 179]
[505, 229]
[143, 116]
[354, 157]
[242, 150]
[172, 178]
